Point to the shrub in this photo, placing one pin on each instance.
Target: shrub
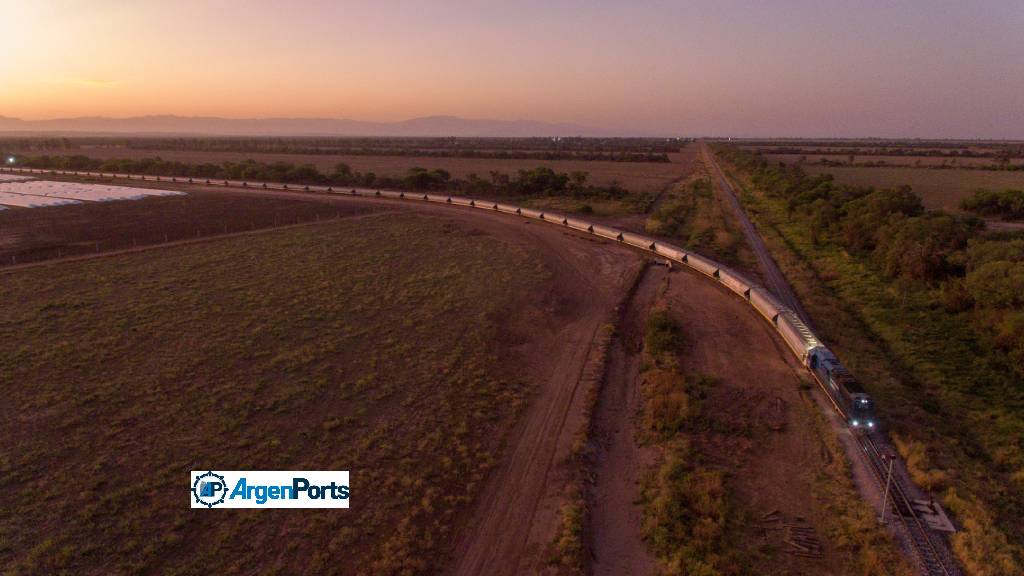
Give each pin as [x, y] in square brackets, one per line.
[920, 247]
[864, 216]
[669, 218]
[685, 517]
[955, 297]
[664, 336]
[1010, 337]
[915, 457]
[568, 550]
[667, 405]
[982, 548]
[998, 284]
[982, 250]
[1007, 204]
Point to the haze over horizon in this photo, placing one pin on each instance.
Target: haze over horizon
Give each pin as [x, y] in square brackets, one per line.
[787, 68]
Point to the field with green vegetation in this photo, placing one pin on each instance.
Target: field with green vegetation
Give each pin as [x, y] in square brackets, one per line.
[924, 308]
[939, 189]
[371, 346]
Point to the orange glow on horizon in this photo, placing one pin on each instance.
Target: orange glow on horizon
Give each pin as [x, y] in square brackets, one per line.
[696, 68]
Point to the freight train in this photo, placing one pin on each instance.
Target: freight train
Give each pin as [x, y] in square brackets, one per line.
[846, 394]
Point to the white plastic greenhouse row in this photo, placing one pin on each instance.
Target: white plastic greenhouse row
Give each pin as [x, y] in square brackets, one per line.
[29, 201]
[34, 192]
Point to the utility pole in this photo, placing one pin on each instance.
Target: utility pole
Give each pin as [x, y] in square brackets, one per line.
[885, 499]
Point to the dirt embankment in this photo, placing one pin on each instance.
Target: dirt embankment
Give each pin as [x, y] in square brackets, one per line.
[761, 428]
[616, 523]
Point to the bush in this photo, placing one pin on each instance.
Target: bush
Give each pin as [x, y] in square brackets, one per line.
[981, 251]
[1010, 337]
[980, 546]
[998, 284]
[955, 297]
[864, 216]
[669, 218]
[667, 405]
[685, 517]
[664, 336]
[1008, 204]
[915, 456]
[920, 248]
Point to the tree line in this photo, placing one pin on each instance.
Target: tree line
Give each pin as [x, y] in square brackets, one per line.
[946, 254]
[995, 151]
[539, 181]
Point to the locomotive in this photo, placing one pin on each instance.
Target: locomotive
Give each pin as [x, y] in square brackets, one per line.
[844, 389]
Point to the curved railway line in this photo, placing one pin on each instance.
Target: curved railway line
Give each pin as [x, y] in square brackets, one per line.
[930, 549]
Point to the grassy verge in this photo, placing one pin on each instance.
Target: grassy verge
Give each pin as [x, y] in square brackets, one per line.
[686, 511]
[366, 346]
[692, 215]
[634, 203]
[936, 388]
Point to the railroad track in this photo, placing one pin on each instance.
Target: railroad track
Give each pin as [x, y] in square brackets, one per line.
[934, 558]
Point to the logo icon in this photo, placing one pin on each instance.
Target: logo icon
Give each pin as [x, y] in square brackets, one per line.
[209, 489]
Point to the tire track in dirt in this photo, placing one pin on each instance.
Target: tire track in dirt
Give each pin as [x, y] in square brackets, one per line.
[516, 515]
[616, 522]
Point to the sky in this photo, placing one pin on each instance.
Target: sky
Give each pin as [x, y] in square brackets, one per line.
[910, 68]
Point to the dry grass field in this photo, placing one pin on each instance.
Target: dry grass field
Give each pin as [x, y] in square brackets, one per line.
[938, 188]
[634, 176]
[374, 346]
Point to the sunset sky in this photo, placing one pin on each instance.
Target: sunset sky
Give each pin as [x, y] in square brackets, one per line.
[928, 68]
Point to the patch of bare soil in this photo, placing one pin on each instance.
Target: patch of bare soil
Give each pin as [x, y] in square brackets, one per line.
[760, 429]
[517, 514]
[616, 522]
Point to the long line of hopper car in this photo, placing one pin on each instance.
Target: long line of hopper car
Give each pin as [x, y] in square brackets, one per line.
[852, 402]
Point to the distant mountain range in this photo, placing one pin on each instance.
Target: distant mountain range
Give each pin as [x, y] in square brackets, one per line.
[213, 126]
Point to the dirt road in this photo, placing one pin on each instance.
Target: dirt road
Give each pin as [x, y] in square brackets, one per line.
[516, 515]
[616, 523]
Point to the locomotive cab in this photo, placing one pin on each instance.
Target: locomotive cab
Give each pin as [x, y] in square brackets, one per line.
[862, 411]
